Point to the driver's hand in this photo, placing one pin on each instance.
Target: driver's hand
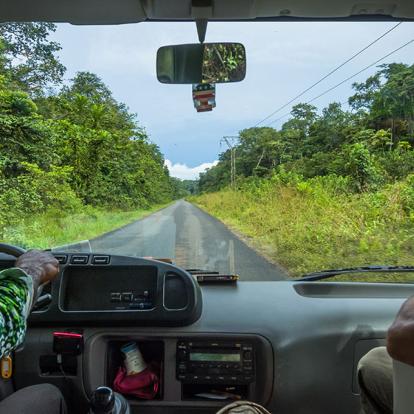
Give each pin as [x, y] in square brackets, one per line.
[42, 266]
[400, 339]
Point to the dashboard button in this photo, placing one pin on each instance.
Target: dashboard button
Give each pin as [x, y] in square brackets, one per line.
[214, 371]
[101, 260]
[61, 258]
[115, 297]
[79, 259]
[182, 354]
[127, 296]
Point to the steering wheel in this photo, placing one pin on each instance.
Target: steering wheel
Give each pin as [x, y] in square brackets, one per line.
[17, 252]
[11, 250]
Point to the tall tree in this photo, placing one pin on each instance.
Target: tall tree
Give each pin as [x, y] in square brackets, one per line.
[30, 57]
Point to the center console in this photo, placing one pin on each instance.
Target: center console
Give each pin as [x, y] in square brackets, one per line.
[200, 371]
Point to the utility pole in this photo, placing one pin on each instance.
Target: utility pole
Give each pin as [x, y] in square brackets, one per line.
[231, 142]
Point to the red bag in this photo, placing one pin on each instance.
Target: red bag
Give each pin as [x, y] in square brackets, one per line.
[144, 385]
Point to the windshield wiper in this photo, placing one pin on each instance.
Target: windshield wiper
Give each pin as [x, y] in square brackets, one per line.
[326, 274]
[202, 272]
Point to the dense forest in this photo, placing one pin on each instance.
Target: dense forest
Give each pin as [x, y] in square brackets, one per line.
[371, 144]
[67, 146]
[328, 189]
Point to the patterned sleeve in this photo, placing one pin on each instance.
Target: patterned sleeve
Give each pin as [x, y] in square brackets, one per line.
[16, 296]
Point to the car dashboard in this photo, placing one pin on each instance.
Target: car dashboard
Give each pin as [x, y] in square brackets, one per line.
[289, 345]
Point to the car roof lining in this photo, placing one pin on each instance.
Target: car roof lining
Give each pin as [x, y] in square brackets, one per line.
[95, 12]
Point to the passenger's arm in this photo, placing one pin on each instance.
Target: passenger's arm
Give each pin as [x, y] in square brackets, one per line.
[18, 287]
[400, 340]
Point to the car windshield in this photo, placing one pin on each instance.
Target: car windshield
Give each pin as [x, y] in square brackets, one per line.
[307, 164]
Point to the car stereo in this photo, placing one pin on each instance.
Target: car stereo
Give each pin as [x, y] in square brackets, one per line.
[215, 362]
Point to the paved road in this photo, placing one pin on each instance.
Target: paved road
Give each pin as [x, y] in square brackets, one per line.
[193, 238]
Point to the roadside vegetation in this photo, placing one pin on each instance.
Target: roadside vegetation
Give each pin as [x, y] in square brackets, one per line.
[327, 190]
[51, 230]
[309, 225]
[74, 162]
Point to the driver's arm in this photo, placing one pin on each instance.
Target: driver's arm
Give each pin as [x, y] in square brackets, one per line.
[18, 287]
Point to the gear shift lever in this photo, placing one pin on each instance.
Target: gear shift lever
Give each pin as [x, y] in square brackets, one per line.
[106, 401]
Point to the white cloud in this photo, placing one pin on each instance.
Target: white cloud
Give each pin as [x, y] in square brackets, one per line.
[187, 173]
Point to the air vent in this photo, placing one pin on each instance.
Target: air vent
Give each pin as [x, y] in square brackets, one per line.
[100, 260]
[175, 292]
[79, 259]
[61, 258]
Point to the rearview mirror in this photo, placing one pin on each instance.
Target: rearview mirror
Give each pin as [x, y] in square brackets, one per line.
[201, 63]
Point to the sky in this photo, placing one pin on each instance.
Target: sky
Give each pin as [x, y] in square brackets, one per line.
[283, 59]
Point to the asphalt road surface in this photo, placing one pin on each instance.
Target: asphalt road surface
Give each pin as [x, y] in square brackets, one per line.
[193, 239]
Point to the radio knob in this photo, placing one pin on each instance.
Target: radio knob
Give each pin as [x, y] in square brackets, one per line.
[182, 354]
[248, 355]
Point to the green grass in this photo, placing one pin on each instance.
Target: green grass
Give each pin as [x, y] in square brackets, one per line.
[50, 229]
[305, 227]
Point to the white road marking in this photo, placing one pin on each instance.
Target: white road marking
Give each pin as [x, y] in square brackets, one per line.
[232, 266]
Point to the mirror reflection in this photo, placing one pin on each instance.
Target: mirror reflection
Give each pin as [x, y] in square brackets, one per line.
[201, 63]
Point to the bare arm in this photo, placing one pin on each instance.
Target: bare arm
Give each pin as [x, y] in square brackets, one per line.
[41, 266]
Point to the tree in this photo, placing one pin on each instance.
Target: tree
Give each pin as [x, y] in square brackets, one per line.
[29, 56]
[295, 131]
[356, 161]
[330, 130]
[258, 151]
[388, 100]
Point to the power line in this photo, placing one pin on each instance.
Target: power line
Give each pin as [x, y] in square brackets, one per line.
[348, 78]
[328, 74]
[362, 70]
